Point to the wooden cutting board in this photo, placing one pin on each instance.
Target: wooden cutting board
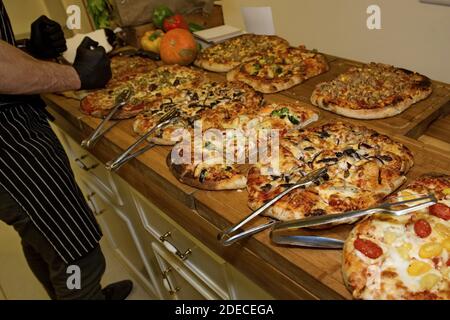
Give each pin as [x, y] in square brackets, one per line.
[412, 122]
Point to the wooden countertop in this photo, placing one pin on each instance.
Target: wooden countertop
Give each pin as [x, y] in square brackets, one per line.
[285, 272]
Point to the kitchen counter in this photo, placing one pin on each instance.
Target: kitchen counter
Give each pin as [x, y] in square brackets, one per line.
[284, 272]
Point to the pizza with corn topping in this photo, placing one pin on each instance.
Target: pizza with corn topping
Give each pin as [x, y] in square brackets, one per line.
[405, 257]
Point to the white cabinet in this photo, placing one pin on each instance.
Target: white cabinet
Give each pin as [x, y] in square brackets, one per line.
[162, 255]
[179, 282]
[183, 247]
[120, 232]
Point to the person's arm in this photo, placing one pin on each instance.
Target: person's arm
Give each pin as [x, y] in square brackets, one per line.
[22, 74]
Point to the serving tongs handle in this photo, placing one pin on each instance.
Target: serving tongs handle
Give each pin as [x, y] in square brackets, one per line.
[129, 154]
[121, 100]
[228, 236]
[277, 235]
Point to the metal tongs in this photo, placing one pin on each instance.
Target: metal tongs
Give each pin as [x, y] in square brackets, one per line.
[120, 101]
[166, 119]
[229, 236]
[396, 209]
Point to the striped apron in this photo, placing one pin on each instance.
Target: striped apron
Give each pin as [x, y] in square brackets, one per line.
[35, 171]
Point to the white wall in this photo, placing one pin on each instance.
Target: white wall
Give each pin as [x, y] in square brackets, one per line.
[413, 35]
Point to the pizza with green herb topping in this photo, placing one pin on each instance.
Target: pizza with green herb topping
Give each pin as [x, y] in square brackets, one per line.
[276, 71]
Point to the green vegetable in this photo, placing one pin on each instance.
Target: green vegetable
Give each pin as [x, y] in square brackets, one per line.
[282, 113]
[159, 14]
[293, 120]
[278, 69]
[193, 27]
[100, 11]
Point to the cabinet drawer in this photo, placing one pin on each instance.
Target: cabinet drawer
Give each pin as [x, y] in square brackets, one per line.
[177, 280]
[120, 233]
[184, 248]
[86, 163]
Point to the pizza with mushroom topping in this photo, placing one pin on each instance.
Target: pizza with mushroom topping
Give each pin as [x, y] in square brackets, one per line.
[225, 155]
[372, 91]
[363, 168]
[217, 102]
[406, 257]
[148, 90]
[123, 68]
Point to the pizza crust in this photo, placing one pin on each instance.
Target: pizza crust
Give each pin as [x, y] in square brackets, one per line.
[214, 66]
[184, 174]
[264, 86]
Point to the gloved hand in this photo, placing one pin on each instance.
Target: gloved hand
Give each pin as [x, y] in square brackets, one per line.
[92, 65]
[47, 39]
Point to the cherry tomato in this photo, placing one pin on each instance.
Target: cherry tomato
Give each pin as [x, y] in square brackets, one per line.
[422, 228]
[440, 210]
[368, 248]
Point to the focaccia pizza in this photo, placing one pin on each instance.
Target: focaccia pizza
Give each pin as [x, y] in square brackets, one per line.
[220, 101]
[123, 68]
[148, 90]
[363, 167]
[229, 54]
[372, 91]
[213, 170]
[276, 71]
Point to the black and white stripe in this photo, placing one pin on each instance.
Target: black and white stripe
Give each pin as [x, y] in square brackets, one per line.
[35, 170]
[6, 32]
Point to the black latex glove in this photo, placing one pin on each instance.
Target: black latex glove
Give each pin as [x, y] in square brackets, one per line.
[47, 39]
[92, 64]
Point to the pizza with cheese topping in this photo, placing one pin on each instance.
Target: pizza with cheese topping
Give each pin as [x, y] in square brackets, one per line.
[276, 71]
[229, 54]
[406, 257]
[224, 160]
[148, 91]
[123, 68]
[363, 168]
[217, 102]
[372, 91]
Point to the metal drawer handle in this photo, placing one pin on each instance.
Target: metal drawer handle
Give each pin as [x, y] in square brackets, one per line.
[169, 287]
[84, 166]
[95, 211]
[169, 246]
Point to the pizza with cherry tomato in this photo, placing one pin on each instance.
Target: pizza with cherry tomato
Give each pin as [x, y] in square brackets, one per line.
[407, 257]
